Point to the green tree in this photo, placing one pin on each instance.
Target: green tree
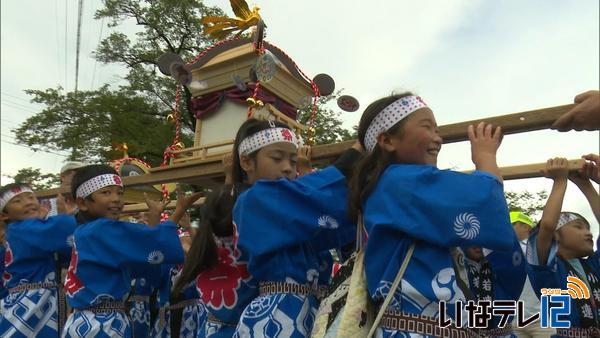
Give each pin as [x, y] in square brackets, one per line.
[328, 125]
[167, 26]
[531, 203]
[35, 179]
[87, 123]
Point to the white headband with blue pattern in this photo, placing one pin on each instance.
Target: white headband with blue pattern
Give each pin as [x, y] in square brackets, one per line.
[389, 116]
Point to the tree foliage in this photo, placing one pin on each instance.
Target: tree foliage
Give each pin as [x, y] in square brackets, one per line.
[35, 179]
[87, 123]
[328, 125]
[531, 203]
[166, 26]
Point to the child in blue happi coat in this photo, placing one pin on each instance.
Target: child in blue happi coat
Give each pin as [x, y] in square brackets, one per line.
[108, 253]
[221, 270]
[142, 290]
[524, 225]
[187, 314]
[216, 268]
[139, 307]
[284, 226]
[3, 291]
[178, 317]
[183, 316]
[493, 276]
[404, 199]
[35, 249]
[562, 246]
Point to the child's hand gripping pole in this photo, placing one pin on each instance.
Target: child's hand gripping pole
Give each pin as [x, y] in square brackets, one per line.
[304, 160]
[155, 209]
[227, 162]
[556, 169]
[589, 171]
[591, 168]
[183, 203]
[485, 142]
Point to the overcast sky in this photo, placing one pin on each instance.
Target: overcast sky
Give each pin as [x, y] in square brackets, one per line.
[468, 59]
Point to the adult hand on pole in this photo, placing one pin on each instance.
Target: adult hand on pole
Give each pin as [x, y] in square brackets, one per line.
[584, 116]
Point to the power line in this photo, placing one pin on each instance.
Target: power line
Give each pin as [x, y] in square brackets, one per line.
[15, 96]
[20, 98]
[17, 103]
[79, 15]
[19, 108]
[20, 105]
[32, 149]
[57, 41]
[9, 121]
[95, 59]
[66, 38]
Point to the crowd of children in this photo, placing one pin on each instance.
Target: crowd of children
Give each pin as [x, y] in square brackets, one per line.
[260, 262]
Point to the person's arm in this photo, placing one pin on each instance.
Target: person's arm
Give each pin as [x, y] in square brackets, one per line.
[155, 209]
[185, 236]
[273, 215]
[592, 170]
[349, 158]
[484, 145]
[582, 180]
[49, 235]
[509, 277]
[183, 203]
[441, 207]
[304, 166]
[43, 214]
[227, 167]
[584, 116]
[186, 222]
[133, 245]
[556, 169]
[63, 207]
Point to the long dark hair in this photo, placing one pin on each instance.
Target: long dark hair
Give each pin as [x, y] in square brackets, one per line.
[366, 175]
[217, 211]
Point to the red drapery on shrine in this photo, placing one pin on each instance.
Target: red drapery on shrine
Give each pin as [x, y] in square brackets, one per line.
[206, 104]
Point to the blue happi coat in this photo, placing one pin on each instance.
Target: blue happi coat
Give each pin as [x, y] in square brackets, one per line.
[225, 290]
[554, 273]
[508, 276]
[283, 227]
[3, 290]
[107, 255]
[438, 210]
[139, 301]
[193, 313]
[32, 246]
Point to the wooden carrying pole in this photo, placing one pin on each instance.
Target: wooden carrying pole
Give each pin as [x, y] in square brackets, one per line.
[508, 173]
[511, 124]
[206, 169]
[130, 209]
[532, 170]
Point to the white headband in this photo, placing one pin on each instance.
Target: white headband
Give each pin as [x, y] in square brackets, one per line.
[96, 183]
[266, 137]
[389, 116]
[7, 196]
[566, 217]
